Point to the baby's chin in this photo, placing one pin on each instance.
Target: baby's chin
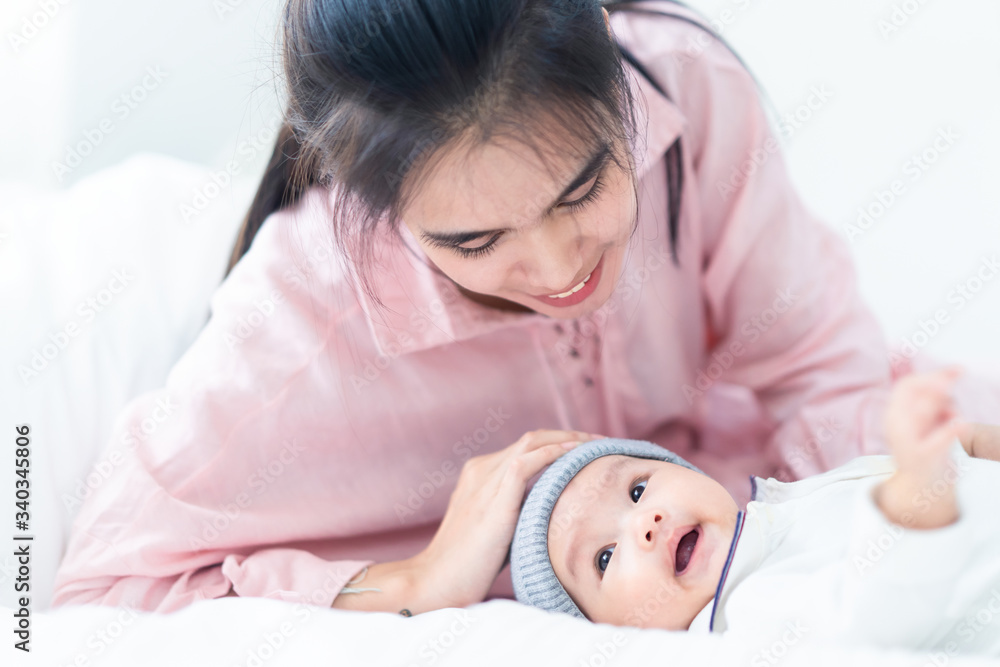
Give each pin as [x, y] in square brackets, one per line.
[656, 623]
[655, 611]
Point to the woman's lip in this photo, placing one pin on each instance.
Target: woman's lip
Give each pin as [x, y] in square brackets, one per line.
[583, 293]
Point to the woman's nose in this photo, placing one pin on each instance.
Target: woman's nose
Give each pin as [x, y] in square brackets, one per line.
[555, 261]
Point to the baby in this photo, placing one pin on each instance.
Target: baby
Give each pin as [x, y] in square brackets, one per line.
[895, 551]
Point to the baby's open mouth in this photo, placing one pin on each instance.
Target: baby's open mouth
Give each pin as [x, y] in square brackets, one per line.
[684, 550]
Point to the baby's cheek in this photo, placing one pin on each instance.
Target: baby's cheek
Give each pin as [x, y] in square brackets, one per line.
[643, 605]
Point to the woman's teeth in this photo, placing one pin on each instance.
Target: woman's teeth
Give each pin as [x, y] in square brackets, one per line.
[572, 291]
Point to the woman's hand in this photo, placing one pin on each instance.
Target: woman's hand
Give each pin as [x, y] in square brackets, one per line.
[465, 556]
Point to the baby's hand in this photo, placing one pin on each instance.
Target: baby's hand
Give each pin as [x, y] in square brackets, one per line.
[921, 425]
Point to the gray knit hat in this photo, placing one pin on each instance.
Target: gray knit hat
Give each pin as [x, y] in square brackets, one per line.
[535, 582]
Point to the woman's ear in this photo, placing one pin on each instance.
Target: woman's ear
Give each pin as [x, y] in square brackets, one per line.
[607, 20]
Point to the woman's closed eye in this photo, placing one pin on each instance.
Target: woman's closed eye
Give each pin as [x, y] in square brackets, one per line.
[602, 563]
[487, 247]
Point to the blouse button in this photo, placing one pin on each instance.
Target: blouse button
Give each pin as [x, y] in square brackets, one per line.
[559, 328]
[588, 381]
[573, 353]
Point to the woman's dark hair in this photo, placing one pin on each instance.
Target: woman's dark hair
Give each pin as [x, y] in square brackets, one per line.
[377, 87]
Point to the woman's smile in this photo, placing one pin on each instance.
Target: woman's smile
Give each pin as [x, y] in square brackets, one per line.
[577, 293]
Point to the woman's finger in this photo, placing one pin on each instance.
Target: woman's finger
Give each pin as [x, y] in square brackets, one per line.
[524, 467]
[538, 439]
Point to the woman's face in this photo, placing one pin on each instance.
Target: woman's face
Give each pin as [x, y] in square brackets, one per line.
[502, 227]
[620, 541]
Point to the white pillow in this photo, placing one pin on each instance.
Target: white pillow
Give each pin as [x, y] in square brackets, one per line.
[120, 239]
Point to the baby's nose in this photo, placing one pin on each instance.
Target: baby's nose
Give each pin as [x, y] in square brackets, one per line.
[652, 527]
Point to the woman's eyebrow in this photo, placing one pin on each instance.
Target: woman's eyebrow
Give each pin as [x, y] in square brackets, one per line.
[589, 170]
[613, 474]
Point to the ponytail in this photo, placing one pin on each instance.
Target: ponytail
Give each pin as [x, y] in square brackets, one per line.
[284, 181]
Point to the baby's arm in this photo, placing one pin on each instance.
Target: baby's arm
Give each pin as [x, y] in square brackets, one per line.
[982, 441]
[921, 426]
[915, 565]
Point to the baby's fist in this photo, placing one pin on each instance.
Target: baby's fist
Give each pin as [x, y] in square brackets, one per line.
[921, 423]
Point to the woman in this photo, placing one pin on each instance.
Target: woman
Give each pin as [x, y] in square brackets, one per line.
[530, 244]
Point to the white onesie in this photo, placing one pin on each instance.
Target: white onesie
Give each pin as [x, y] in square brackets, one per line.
[817, 560]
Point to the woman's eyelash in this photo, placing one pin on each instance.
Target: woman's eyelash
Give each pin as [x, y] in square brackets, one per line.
[587, 198]
[600, 573]
[488, 247]
[481, 250]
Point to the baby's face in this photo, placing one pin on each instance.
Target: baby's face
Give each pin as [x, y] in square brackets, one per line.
[617, 541]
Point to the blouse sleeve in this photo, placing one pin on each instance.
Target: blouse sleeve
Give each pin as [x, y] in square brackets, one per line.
[778, 283]
[206, 477]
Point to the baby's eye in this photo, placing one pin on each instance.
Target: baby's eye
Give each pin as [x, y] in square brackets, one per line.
[602, 562]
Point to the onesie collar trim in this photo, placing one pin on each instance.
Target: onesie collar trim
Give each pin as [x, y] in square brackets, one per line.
[740, 518]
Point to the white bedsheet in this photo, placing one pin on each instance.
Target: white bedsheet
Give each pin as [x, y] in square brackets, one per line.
[254, 632]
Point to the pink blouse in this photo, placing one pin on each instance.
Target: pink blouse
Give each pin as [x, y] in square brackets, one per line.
[301, 437]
